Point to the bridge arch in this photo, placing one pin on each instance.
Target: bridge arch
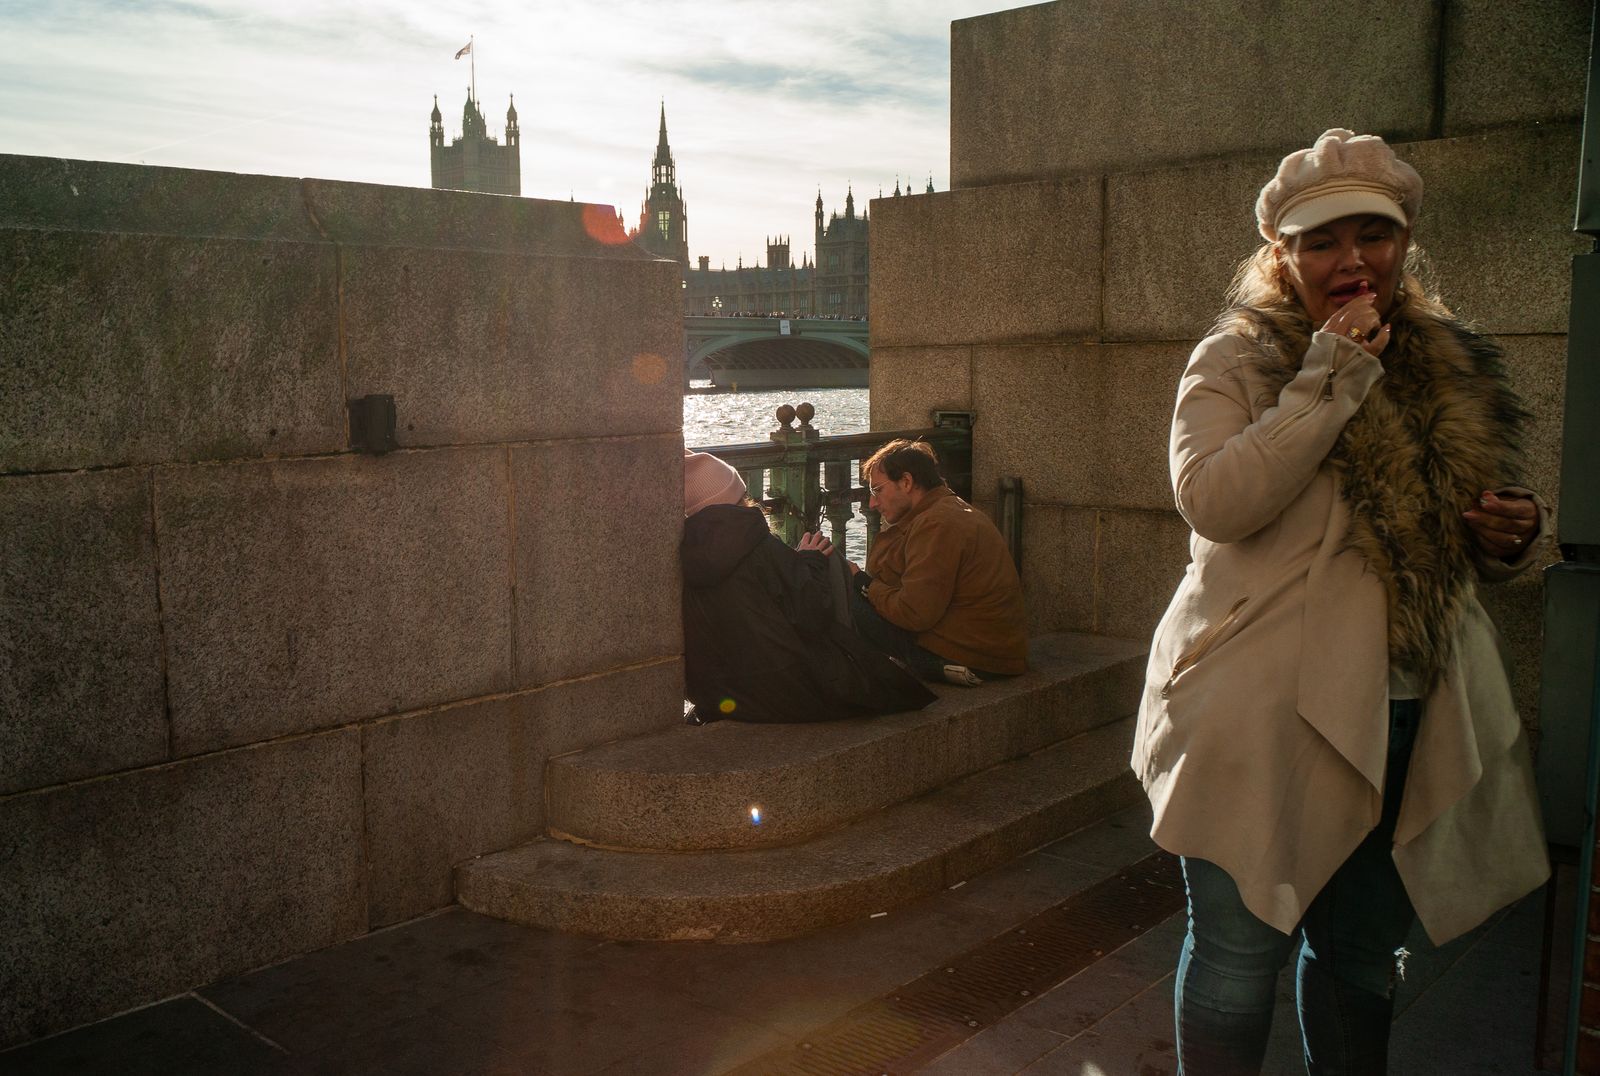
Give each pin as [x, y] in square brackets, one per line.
[708, 335]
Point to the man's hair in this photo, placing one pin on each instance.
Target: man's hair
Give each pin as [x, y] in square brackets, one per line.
[900, 457]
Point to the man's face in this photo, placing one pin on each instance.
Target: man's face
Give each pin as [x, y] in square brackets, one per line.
[891, 497]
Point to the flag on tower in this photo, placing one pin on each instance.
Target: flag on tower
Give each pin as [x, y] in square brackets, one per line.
[464, 50]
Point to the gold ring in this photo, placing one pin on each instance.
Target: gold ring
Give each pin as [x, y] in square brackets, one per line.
[1358, 335]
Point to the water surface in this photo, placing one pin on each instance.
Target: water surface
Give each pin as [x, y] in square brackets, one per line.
[730, 418]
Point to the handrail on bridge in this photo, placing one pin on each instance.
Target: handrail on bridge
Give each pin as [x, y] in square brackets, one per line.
[801, 476]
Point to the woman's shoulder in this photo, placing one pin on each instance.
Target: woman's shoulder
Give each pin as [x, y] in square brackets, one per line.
[1224, 357]
[1225, 346]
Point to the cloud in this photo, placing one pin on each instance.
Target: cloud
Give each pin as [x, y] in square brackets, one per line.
[826, 87]
[765, 101]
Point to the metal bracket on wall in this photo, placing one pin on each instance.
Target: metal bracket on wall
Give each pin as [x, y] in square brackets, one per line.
[1008, 510]
[955, 461]
[372, 424]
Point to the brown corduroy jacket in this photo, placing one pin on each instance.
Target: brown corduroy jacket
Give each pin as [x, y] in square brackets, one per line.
[944, 572]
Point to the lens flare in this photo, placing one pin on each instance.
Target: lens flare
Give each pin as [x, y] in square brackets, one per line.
[649, 369]
[603, 225]
[727, 706]
[755, 816]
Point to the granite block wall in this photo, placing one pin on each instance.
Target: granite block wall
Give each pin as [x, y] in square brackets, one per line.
[260, 691]
[1083, 87]
[1105, 159]
[1026, 254]
[154, 879]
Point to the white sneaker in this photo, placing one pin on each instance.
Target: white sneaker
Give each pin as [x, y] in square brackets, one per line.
[961, 676]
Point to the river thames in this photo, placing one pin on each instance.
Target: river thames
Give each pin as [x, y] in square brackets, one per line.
[727, 418]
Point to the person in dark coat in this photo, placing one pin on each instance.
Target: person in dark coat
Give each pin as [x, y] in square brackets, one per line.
[766, 628]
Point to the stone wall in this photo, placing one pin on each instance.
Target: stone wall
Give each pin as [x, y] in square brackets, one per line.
[1106, 156]
[259, 692]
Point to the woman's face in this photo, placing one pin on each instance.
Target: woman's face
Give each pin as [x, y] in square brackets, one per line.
[1327, 266]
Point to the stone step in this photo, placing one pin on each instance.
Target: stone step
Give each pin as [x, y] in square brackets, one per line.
[693, 789]
[910, 850]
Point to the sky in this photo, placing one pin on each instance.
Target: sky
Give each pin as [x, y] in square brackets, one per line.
[766, 100]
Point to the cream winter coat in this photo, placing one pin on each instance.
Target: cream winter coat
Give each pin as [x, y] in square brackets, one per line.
[1263, 730]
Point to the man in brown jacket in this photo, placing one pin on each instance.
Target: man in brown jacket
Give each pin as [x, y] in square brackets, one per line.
[940, 591]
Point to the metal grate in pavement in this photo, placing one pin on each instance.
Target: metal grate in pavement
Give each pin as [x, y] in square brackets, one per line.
[930, 1015]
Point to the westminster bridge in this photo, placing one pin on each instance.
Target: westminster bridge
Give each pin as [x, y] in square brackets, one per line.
[770, 352]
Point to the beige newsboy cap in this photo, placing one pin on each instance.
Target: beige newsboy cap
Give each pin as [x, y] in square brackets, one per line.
[1344, 174]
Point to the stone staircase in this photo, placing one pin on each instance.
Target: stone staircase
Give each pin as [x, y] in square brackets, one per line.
[741, 832]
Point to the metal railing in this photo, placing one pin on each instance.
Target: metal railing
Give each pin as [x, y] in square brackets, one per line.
[802, 477]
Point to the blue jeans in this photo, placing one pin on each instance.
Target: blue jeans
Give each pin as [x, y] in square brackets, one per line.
[899, 643]
[1348, 942]
[894, 640]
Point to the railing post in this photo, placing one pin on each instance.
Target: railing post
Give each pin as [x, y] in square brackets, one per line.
[754, 482]
[837, 500]
[795, 486]
[811, 472]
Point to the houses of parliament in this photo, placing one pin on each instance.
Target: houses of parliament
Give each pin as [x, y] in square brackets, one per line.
[834, 285]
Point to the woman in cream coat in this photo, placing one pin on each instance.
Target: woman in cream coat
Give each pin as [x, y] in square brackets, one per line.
[1327, 734]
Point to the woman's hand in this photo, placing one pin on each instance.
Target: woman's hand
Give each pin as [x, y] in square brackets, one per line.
[1360, 315]
[1503, 523]
[814, 541]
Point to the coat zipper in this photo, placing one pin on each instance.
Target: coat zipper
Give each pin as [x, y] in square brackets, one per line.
[1326, 394]
[1193, 655]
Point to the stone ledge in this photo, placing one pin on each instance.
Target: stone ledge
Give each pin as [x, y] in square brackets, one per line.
[691, 789]
[911, 850]
[103, 196]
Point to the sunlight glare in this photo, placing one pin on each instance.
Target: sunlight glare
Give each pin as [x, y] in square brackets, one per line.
[603, 225]
[649, 369]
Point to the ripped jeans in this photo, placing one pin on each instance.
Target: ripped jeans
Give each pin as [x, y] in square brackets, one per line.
[1228, 968]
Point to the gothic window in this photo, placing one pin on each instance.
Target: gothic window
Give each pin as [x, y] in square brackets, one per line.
[664, 223]
[833, 261]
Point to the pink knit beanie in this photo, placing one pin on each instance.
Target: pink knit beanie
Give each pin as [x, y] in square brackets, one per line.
[1343, 175]
[707, 481]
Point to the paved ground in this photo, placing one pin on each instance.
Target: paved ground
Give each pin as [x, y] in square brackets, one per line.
[460, 993]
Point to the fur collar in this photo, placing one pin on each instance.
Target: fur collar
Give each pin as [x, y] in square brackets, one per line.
[1437, 429]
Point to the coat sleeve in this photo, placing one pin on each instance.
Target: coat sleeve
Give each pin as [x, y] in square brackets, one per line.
[1493, 569]
[921, 597]
[1232, 474]
[807, 598]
